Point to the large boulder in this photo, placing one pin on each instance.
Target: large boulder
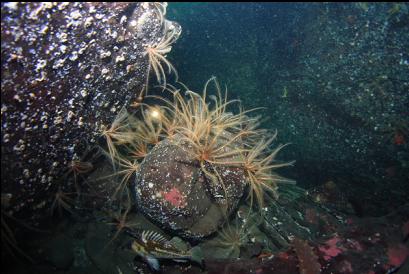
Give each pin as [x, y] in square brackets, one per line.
[173, 190]
[67, 70]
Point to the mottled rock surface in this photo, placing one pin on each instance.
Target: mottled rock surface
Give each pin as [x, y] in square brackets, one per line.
[67, 70]
[172, 189]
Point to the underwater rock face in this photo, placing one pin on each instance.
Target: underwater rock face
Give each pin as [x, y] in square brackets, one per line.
[67, 70]
[174, 192]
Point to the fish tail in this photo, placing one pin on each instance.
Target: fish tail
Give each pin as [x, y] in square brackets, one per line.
[152, 262]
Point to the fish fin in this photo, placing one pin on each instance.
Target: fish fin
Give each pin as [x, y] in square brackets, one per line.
[149, 235]
[197, 255]
[153, 262]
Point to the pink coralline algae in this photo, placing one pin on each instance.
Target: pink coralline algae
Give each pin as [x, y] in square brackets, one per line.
[330, 249]
[397, 254]
[175, 197]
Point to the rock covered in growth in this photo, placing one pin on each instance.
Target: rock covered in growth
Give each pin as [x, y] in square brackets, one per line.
[67, 70]
[203, 159]
[172, 189]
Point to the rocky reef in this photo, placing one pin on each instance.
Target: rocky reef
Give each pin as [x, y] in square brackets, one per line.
[84, 142]
[67, 71]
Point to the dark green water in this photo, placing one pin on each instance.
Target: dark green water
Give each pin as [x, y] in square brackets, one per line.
[332, 78]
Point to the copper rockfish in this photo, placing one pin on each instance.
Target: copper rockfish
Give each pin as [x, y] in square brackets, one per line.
[152, 247]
